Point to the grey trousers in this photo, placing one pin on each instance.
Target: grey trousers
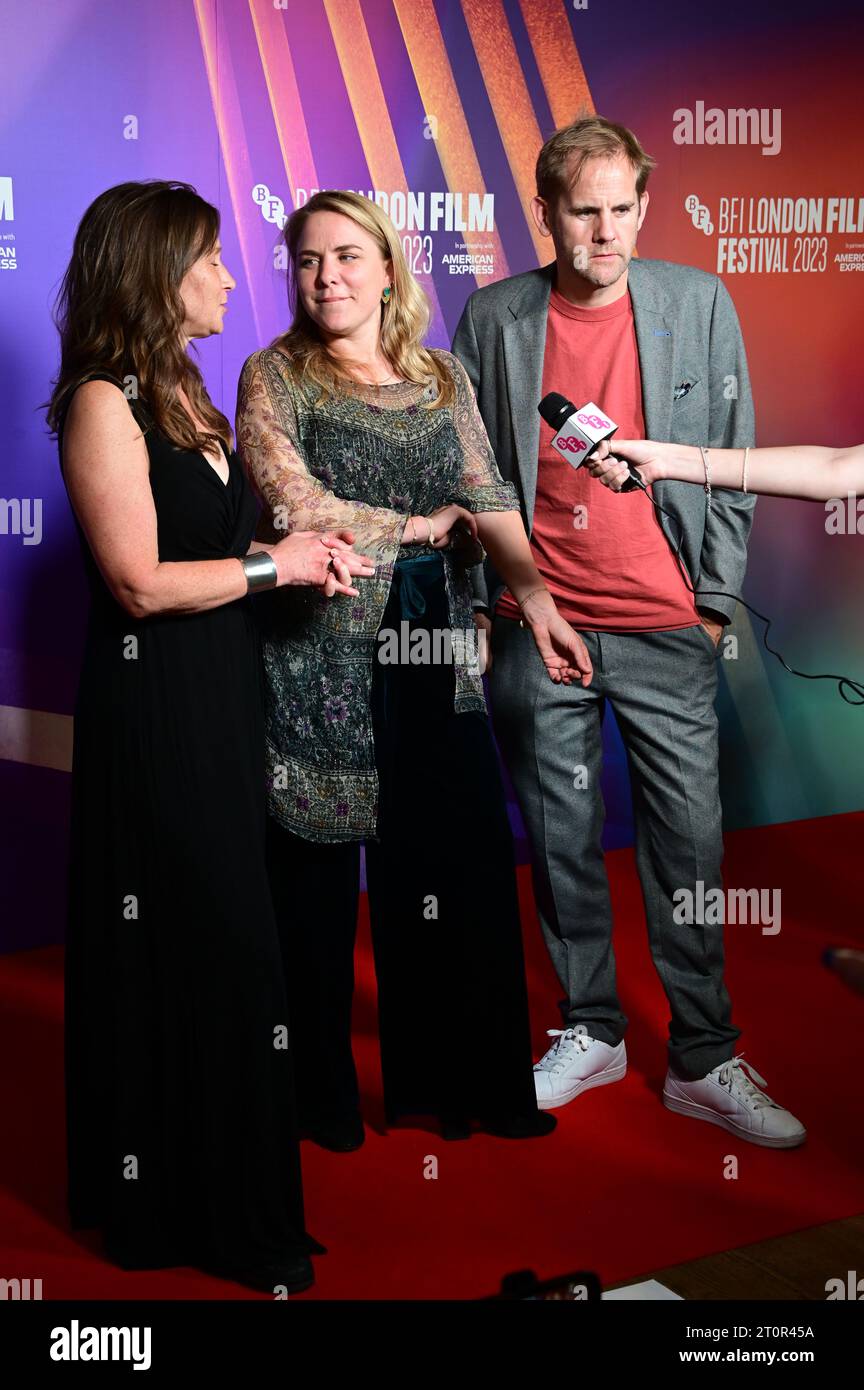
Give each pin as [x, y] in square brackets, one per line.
[661, 686]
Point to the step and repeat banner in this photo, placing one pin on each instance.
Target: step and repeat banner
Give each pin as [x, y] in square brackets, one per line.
[436, 109]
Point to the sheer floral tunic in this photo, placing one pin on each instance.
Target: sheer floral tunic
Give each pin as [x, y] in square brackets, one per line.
[367, 458]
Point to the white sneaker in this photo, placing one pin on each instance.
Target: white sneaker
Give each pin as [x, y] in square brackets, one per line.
[575, 1063]
[728, 1097]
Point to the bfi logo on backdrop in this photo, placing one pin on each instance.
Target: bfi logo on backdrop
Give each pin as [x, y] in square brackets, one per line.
[7, 214]
[735, 126]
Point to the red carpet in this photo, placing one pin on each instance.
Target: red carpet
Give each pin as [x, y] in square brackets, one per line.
[622, 1186]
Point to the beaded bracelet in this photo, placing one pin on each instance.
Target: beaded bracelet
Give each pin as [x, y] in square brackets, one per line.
[704, 453]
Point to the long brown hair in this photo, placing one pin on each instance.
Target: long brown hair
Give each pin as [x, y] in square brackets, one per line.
[404, 319]
[119, 309]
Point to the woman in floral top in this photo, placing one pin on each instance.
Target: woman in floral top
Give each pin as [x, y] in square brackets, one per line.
[377, 729]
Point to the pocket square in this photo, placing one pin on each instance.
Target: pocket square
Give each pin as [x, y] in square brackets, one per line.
[682, 390]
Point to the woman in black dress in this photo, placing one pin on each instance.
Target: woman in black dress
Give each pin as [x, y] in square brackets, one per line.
[180, 1106]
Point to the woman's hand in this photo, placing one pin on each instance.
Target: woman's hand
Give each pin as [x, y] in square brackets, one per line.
[450, 522]
[322, 560]
[645, 453]
[465, 548]
[561, 649]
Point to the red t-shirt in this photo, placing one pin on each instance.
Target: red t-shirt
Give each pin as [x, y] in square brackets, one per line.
[603, 555]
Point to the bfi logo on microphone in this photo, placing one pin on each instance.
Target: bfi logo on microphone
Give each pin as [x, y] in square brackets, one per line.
[581, 432]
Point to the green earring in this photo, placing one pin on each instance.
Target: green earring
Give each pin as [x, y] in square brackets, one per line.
[386, 293]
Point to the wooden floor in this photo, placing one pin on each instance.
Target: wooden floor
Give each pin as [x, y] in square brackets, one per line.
[796, 1266]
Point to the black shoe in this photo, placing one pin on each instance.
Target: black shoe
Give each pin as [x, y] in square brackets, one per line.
[455, 1126]
[338, 1135]
[142, 1258]
[293, 1275]
[531, 1126]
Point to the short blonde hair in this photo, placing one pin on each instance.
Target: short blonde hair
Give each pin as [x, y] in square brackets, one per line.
[404, 318]
[588, 137]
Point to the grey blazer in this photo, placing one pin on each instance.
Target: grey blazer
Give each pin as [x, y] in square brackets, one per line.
[687, 331]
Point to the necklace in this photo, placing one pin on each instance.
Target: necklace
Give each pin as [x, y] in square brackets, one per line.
[386, 382]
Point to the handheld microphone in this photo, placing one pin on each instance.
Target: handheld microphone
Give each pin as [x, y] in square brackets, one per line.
[578, 431]
[577, 434]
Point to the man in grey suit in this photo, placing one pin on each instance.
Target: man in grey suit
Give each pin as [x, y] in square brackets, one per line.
[657, 346]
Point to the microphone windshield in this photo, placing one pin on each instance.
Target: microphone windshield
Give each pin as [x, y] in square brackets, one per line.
[555, 409]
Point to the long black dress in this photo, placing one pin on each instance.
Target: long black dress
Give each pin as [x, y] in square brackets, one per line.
[180, 1105]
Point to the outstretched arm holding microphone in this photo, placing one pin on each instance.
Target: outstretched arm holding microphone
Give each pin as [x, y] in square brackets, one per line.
[805, 471]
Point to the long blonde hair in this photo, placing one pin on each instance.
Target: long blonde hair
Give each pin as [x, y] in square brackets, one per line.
[404, 318]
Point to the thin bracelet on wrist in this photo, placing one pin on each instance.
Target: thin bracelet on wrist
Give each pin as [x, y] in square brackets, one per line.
[260, 571]
[541, 589]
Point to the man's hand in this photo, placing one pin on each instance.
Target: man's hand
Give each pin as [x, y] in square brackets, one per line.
[562, 651]
[711, 626]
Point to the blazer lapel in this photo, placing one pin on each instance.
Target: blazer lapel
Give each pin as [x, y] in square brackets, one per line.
[656, 332]
[656, 323]
[524, 346]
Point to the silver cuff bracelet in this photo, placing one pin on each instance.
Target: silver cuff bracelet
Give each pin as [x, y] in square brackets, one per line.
[260, 570]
